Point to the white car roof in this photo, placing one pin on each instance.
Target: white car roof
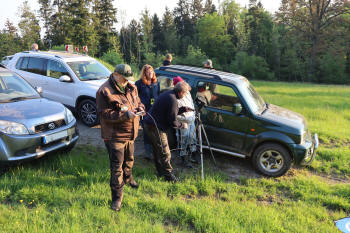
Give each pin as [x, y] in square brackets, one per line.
[67, 57]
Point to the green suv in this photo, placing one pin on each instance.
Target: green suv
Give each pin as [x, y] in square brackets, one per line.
[240, 123]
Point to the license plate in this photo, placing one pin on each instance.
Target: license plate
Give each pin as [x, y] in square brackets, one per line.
[53, 137]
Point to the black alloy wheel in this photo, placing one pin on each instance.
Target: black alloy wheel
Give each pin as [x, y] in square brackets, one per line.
[88, 112]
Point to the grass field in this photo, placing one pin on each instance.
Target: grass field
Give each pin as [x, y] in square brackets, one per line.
[70, 193]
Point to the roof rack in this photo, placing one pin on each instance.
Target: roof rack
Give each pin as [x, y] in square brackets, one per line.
[190, 70]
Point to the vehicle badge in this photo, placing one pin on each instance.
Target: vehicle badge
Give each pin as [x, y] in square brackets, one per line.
[51, 125]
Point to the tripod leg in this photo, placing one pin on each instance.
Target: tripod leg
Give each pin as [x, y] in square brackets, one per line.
[201, 149]
[206, 138]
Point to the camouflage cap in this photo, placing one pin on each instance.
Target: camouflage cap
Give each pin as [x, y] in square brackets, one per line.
[124, 70]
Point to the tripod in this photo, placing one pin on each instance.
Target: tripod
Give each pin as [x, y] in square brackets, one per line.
[200, 129]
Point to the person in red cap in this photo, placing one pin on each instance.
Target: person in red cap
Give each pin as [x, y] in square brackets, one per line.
[186, 138]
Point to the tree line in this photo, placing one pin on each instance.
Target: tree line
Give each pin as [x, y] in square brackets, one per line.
[305, 40]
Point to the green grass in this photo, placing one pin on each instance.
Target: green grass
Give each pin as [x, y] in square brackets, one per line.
[327, 111]
[70, 193]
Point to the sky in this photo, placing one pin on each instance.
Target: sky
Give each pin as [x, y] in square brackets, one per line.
[127, 9]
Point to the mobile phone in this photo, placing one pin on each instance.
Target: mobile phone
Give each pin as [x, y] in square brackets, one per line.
[139, 113]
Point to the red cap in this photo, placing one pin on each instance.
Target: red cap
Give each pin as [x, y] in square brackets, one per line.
[177, 79]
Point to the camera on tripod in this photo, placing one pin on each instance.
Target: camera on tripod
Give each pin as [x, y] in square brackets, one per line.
[200, 102]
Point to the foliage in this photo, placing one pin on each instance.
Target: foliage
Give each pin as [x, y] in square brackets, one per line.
[104, 17]
[252, 67]
[106, 64]
[297, 43]
[193, 57]
[29, 26]
[213, 39]
[112, 58]
[155, 60]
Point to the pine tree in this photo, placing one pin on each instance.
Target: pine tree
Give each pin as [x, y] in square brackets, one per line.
[46, 10]
[196, 10]
[10, 28]
[104, 17]
[158, 36]
[209, 7]
[146, 29]
[184, 26]
[169, 32]
[29, 26]
[79, 25]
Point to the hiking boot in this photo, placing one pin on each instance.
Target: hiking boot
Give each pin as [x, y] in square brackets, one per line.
[193, 157]
[133, 184]
[117, 203]
[171, 178]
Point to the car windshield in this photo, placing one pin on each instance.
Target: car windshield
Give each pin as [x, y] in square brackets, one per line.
[254, 100]
[13, 88]
[89, 70]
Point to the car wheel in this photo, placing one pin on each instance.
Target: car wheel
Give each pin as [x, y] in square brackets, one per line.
[272, 159]
[88, 112]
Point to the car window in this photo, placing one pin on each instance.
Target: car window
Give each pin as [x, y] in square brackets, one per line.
[89, 70]
[36, 65]
[14, 88]
[217, 96]
[166, 83]
[22, 63]
[56, 69]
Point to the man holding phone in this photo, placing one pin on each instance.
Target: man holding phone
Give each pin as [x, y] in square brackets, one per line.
[159, 120]
[119, 108]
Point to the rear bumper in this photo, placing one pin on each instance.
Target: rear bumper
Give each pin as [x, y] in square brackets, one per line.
[305, 154]
[23, 147]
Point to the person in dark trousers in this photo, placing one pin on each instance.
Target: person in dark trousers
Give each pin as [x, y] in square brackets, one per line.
[168, 60]
[117, 104]
[148, 89]
[160, 118]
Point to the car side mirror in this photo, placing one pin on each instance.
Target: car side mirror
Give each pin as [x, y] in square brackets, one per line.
[39, 90]
[237, 108]
[65, 78]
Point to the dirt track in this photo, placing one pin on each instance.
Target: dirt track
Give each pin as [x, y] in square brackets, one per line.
[235, 168]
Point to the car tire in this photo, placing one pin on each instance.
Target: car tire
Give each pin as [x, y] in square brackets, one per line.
[87, 111]
[272, 159]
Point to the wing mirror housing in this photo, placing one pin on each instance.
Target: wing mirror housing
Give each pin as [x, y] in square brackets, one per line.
[65, 78]
[39, 90]
[237, 108]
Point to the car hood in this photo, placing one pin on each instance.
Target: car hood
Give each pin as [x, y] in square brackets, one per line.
[285, 117]
[32, 112]
[95, 83]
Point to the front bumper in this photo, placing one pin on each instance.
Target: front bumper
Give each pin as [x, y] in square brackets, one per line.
[23, 147]
[305, 154]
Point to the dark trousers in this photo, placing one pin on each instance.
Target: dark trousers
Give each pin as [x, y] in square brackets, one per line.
[121, 157]
[161, 151]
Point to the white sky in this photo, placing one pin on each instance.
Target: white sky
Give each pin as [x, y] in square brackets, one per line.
[129, 8]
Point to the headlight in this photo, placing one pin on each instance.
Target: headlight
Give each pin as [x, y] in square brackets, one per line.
[69, 116]
[10, 127]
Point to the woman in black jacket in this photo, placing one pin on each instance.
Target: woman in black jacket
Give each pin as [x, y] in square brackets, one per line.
[148, 90]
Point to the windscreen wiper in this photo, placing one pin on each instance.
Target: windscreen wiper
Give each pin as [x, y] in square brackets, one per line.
[22, 98]
[266, 107]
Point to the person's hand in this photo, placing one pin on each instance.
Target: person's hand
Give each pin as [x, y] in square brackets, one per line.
[184, 125]
[131, 115]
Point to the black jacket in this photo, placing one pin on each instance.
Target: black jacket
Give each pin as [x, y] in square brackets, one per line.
[166, 63]
[164, 112]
